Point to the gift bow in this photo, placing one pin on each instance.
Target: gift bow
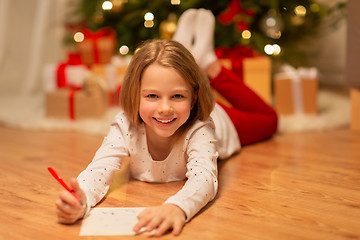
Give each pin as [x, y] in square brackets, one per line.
[236, 55]
[296, 75]
[72, 59]
[233, 12]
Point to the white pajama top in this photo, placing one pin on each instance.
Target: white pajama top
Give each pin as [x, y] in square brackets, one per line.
[194, 158]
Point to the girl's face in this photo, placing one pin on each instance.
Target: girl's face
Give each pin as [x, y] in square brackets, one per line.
[165, 101]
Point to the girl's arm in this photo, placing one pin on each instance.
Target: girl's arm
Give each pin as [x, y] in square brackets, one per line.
[95, 180]
[201, 186]
[199, 189]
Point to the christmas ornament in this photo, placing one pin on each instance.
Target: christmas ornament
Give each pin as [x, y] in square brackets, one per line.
[271, 24]
[167, 27]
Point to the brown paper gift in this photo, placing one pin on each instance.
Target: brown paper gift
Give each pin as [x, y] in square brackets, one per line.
[355, 108]
[97, 47]
[296, 92]
[89, 102]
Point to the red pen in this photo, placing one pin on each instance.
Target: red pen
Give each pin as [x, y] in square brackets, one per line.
[61, 181]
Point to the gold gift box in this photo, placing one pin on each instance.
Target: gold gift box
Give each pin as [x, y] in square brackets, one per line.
[256, 75]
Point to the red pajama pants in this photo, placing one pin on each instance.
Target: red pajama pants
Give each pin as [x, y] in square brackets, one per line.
[253, 119]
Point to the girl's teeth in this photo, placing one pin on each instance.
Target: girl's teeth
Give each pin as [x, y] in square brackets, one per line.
[164, 121]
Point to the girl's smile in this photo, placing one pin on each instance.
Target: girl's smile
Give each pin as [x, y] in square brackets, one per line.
[165, 102]
[164, 121]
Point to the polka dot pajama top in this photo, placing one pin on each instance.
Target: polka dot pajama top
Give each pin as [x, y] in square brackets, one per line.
[193, 158]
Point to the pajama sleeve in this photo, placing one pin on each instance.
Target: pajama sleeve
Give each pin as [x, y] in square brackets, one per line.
[95, 180]
[201, 185]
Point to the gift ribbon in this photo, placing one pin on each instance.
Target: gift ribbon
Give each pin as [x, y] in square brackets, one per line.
[236, 56]
[73, 59]
[95, 36]
[296, 76]
[72, 92]
[297, 93]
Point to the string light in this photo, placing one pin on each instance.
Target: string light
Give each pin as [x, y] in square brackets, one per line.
[277, 49]
[175, 2]
[300, 11]
[149, 23]
[124, 50]
[79, 37]
[274, 49]
[246, 34]
[149, 17]
[269, 49]
[107, 5]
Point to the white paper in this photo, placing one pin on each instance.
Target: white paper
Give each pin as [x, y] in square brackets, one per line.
[110, 221]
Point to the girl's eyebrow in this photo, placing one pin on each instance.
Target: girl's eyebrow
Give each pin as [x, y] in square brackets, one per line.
[183, 90]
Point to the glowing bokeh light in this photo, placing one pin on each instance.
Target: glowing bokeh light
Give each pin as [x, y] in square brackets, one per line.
[269, 49]
[175, 2]
[149, 16]
[107, 5]
[246, 34]
[149, 23]
[124, 50]
[300, 11]
[79, 37]
[277, 49]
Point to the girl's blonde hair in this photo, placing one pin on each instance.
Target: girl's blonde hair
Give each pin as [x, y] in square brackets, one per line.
[170, 54]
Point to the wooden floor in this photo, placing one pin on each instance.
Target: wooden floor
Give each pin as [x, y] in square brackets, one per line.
[295, 186]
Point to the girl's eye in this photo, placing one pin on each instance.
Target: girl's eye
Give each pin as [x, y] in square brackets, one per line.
[151, 96]
[178, 96]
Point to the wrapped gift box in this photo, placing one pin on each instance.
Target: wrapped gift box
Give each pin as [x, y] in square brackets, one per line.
[296, 91]
[98, 47]
[71, 73]
[113, 75]
[257, 76]
[255, 69]
[89, 102]
[355, 108]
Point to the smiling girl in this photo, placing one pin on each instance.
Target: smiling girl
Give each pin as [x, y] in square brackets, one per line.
[172, 130]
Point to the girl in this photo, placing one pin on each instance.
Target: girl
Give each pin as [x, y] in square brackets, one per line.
[167, 127]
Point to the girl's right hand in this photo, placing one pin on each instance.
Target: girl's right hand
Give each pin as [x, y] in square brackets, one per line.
[68, 208]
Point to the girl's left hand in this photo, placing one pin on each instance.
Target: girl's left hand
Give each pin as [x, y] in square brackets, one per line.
[161, 218]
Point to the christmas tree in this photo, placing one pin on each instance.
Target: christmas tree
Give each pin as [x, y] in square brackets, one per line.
[273, 27]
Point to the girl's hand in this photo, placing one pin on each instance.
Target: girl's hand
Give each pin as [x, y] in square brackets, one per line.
[68, 208]
[161, 218]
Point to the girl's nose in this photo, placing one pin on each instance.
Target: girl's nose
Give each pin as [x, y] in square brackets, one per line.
[165, 107]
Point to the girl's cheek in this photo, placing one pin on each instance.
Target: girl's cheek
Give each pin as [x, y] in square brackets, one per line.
[145, 108]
